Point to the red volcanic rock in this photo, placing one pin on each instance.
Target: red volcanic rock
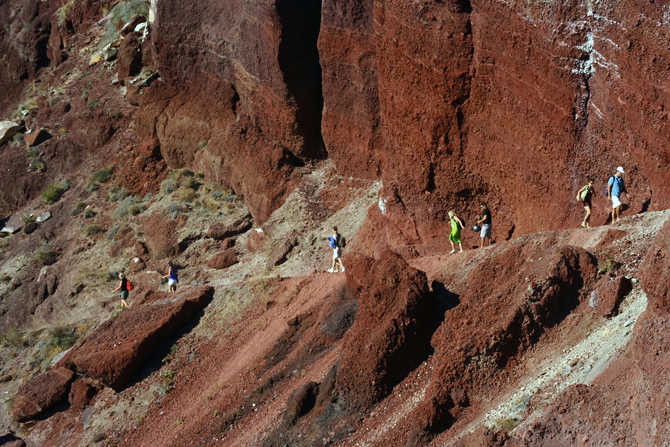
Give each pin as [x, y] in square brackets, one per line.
[257, 239]
[81, 393]
[280, 251]
[219, 231]
[501, 306]
[227, 243]
[161, 234]
[41, 393]
[117, 348]
[393, 326]
[37, 137]
[223, 260]
[129, 59]
[9, 439]
[608, 294]
[654, 271]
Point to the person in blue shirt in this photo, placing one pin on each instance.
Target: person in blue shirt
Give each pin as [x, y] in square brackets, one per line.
[616, 187]
[173, 279]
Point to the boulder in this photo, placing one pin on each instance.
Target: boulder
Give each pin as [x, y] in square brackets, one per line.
[30, 227]
[41, 393]
[257, 239]
[129, 59]
[223, 260]
[280, 251]
[220, 231]
[227, 243]
[7, 130]
[161, 235]
[609, 292]
[393, 326]
[36, 138]
[43, 217]
[81, 393]
[115, 351]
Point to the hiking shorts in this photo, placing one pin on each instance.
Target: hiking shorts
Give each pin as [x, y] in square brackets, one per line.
[486, 231]
[124, 295]
[172, 282]
[337, 253]
[616, 203]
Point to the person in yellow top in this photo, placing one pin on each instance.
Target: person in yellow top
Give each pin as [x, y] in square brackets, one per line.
[455, 235]
[584, 195]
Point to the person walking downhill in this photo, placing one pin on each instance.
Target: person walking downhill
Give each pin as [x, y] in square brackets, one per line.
[584, 195]
[616, 187]
[172, 276]
[485, 223]
[336, 242]
[455, 235]
[123, 287]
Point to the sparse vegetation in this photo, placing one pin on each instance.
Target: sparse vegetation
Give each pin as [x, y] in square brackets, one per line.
[186, 195]
[167, 377]
[115, 194]
[93, 102]
[31, 153]
[98, 437]
[53, 101]
[46, 256]
[139, 420]
[28, 218]
[609, 264]
[129, 206]
[78, 208]
[53, 193]
[180, 421]
[59, 339]
[88, 213]
[91, 185]
[5, 277]
[37, 164]
[13, 338]
[92, 229]
[103, 175]
[507, 424]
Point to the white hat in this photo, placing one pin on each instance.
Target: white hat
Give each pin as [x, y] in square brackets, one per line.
[620, 169]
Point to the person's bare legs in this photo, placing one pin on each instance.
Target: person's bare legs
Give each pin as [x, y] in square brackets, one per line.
[587, 218]
[460, 244]
[481, 243]
[124, 305]
[453, 249]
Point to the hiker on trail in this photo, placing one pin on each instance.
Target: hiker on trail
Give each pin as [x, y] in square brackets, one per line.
[485, 223]
[173, 279]
[616, 187]
[336, 242]
[584, 195]
[123, 287]
[455, 235]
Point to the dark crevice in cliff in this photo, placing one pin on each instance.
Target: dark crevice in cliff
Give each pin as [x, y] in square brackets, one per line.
[464, 6]
[299, 62]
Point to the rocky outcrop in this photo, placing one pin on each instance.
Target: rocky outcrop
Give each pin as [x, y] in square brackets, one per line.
[609, 292]
[161, 235]
[41, 393]
[223, 260]
[220, 232]
[7, 130]
[117, 348]
[655, 271]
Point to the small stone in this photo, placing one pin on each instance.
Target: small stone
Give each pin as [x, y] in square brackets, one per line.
[97, 57]
[44, 217]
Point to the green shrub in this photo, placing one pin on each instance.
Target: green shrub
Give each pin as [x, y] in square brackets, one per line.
[129, 206]
[5, 277]
[92, 229]
[190, 183]
[115, 194]
[102, 175]
[93, 102]
[38, 165]
[609, 264]
[63, 11]
[31, 153]
[78, 208]
[59, 339]
[46, 256]
[88, 213]
[52, 194]
[91, 185]
[53, 101]
[508, 424]
[28, 219]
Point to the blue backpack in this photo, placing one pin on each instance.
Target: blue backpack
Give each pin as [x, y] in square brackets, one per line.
[332, 242]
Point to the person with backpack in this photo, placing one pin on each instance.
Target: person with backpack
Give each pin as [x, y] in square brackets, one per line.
[616, 187]
[455, 235]
[172, 277]
[584, 195]
[336, 242]
[485, 224]
[124, 286]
